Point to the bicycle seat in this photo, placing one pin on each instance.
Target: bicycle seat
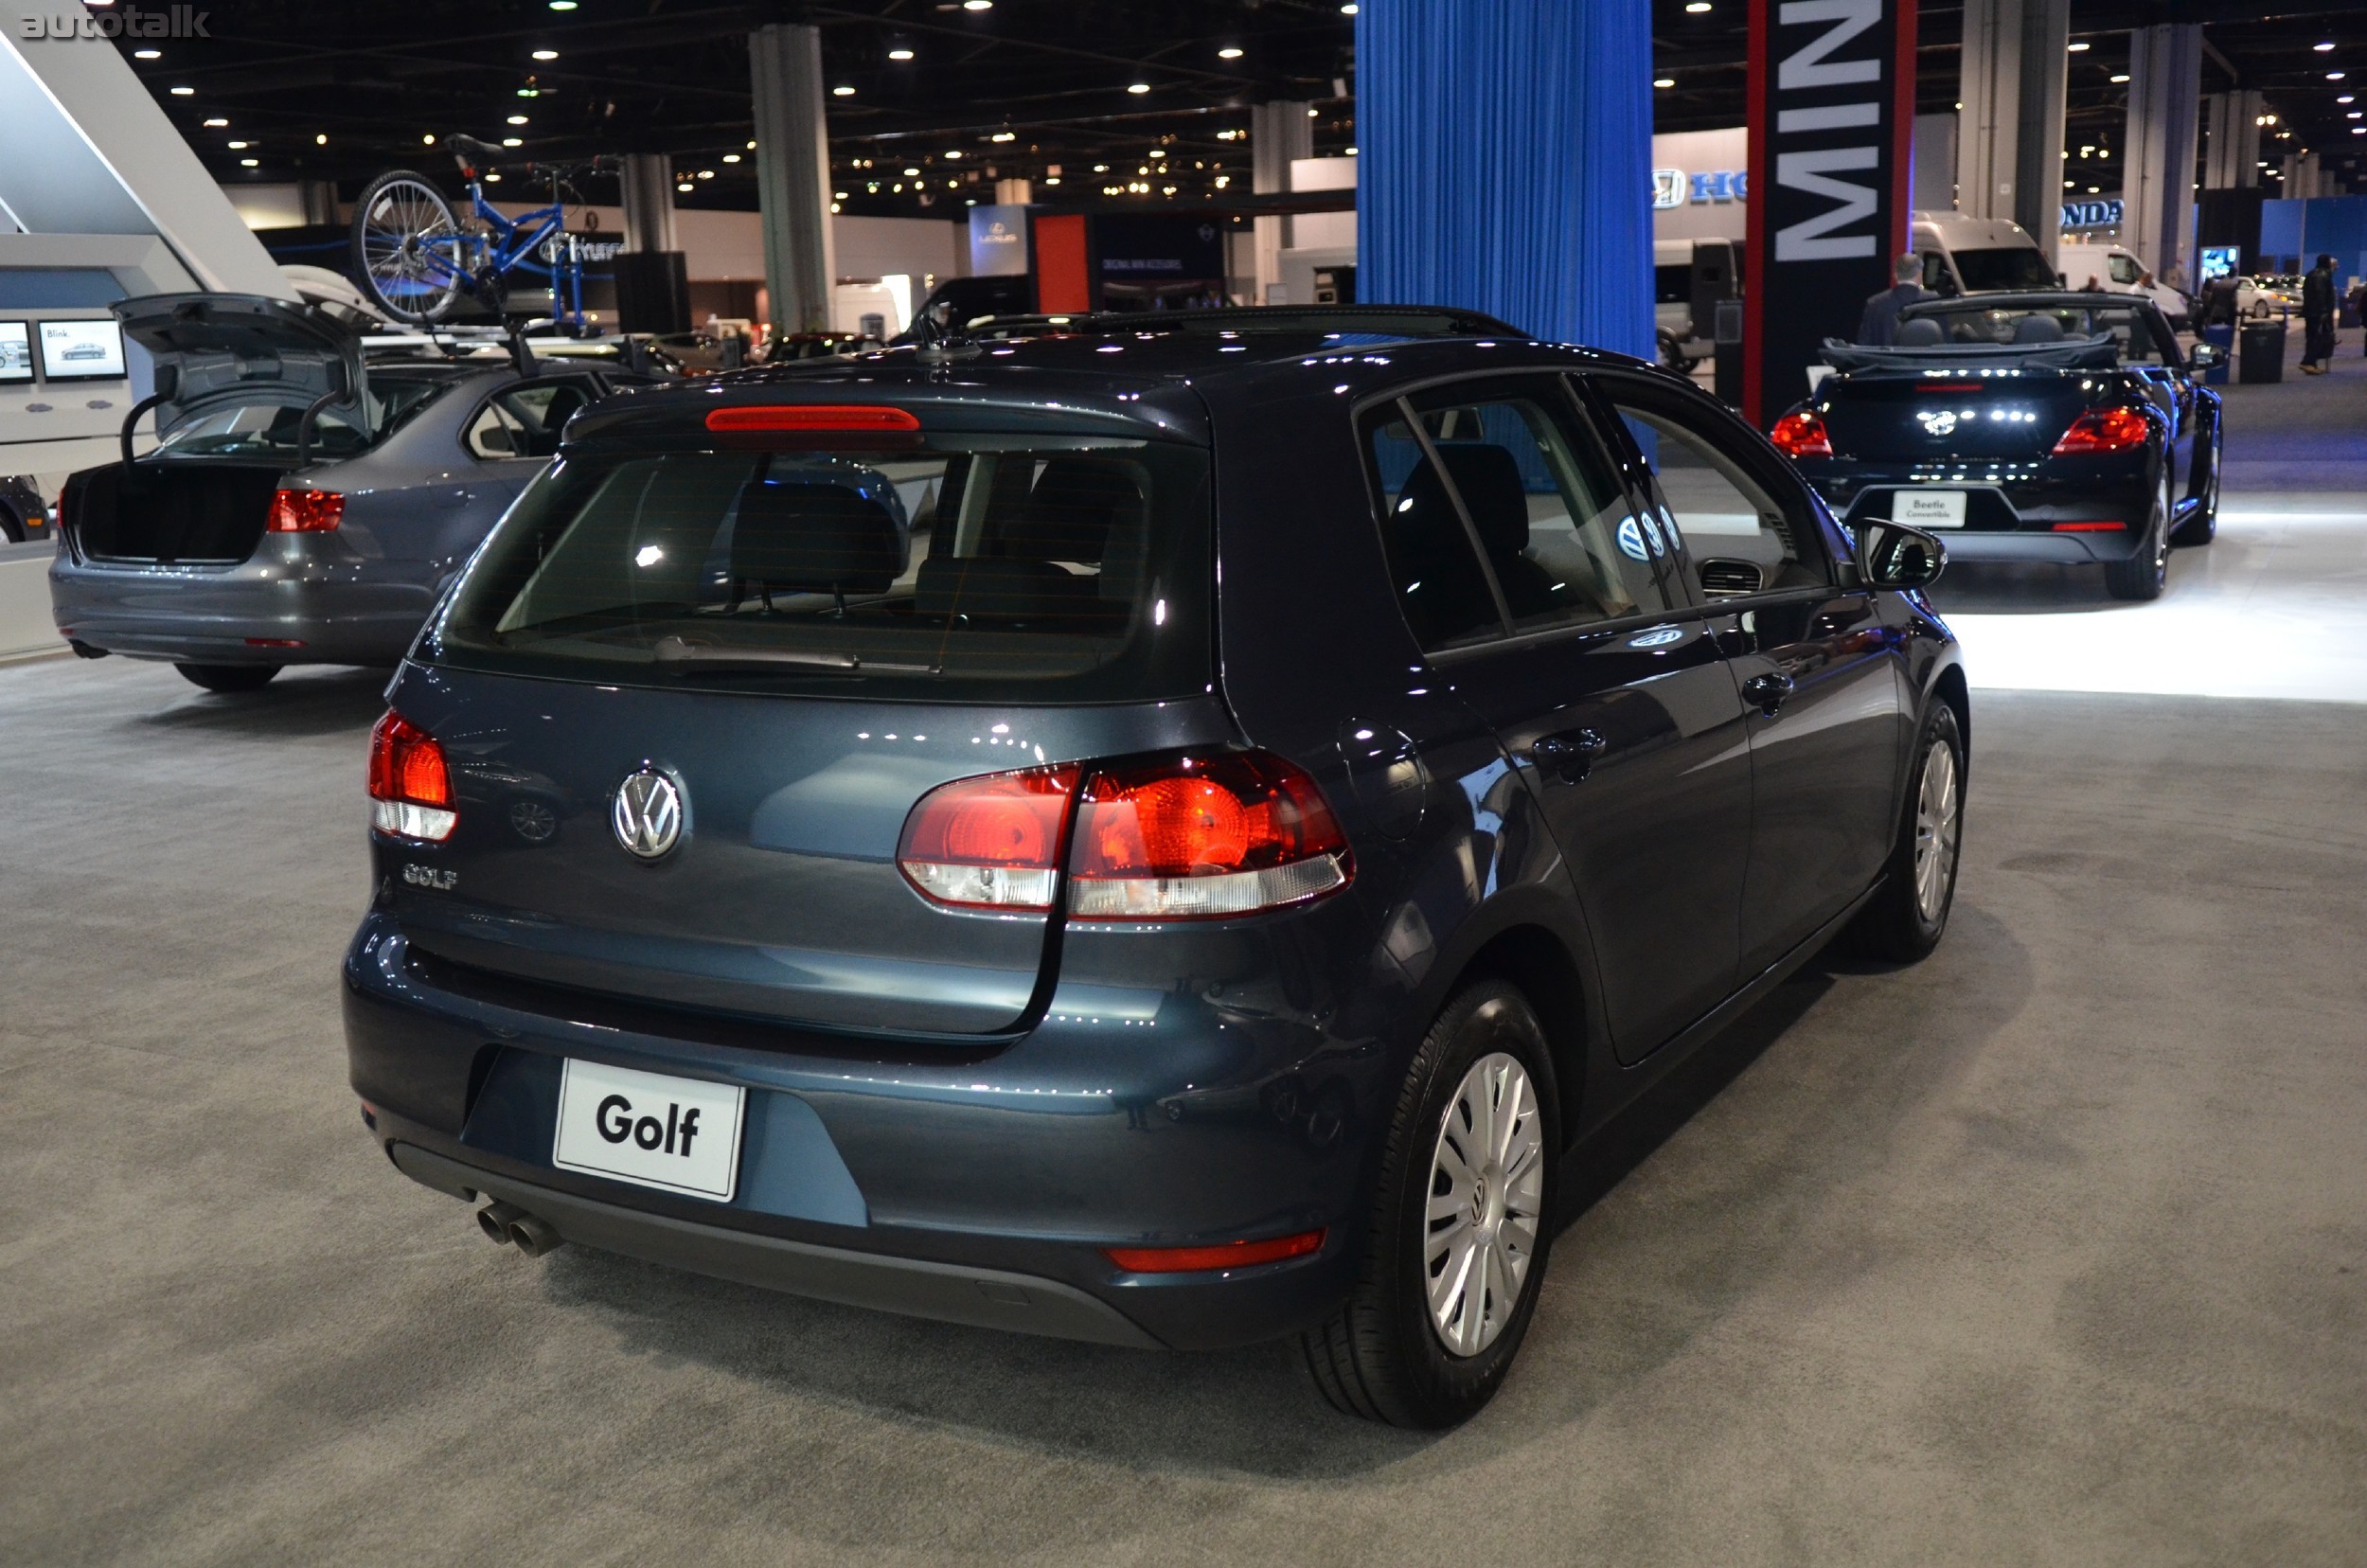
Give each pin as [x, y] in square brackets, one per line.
[471, 152]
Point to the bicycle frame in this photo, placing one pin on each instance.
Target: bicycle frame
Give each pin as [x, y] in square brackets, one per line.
[513, 241]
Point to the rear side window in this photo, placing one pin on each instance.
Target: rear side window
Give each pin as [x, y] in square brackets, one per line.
[268, 429]
[1037, 570]
[1512, 466]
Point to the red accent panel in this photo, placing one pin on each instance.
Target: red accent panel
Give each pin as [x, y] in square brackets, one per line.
[1754, 231]
[1063, 279]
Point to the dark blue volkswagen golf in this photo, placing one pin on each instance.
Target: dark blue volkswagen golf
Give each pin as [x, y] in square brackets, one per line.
[1157, 835]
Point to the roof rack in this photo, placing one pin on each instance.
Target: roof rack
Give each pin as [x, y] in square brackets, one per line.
[1390, 321]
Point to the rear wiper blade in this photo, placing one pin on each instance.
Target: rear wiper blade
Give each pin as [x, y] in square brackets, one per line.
[675, 651]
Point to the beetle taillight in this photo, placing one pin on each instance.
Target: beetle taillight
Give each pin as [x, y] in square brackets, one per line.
[1185, 837]
[410, 786]
[2104, 430]
[1802, 434]
[306, 511]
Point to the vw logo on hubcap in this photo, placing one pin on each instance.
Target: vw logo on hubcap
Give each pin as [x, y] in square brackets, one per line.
[648, 813]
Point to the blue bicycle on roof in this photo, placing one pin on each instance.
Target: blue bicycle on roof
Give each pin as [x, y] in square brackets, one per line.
[417, 259]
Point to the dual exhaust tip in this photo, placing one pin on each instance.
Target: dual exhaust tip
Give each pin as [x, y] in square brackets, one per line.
[508, 1225]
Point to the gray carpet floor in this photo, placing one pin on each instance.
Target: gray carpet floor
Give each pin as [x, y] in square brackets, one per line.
[2052, 1249]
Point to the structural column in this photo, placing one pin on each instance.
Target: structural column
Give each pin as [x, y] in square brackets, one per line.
[2158, 190]
[793, 175]
[2010, 133]
[1277, 133]
[2230, 153]
[652, 284]
[1505, 163]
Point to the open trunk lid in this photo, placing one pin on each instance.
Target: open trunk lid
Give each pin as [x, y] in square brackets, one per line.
[209, 348]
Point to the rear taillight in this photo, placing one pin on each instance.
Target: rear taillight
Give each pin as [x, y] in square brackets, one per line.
[1802, 434]
[306, 511]
[1187, 837]
[410, 786]
[991, 843]
[776, 416]
[2104, 430]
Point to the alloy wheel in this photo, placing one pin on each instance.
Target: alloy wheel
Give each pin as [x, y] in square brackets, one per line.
[1938, 825]
[1486, 1200]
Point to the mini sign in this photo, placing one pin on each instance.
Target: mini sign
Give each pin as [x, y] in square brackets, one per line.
[1831, 120]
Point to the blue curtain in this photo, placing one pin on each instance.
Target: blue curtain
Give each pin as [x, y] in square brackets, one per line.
[1504, 163]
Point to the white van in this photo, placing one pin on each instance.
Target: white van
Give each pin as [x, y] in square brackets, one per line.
[1964, 254]
[2116, 268]
[1686, 275]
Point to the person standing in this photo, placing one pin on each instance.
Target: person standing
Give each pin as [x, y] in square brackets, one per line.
[1878, 327]
[2317, 316]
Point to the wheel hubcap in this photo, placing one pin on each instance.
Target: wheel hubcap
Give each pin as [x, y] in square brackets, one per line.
[1487, 1199]
[1936, 825]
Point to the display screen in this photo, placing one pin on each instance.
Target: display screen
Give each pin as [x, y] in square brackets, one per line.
[2220, 261]
[81, 351]
[16, 352]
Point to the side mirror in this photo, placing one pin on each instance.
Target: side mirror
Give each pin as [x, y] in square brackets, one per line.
[1892, 555]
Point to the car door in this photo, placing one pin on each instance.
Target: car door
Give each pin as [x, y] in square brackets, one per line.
[1549, 601]
[1822, 672]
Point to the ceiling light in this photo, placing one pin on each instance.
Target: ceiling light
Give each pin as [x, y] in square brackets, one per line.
[2119, 75]
[547, 54]
[428, 140]
[237, 146]
[321, 140]
[185, 92]
[218, 122]
[2345, 99]
[977, 5]
[953, 151]
[563, 5]
[1664, 81]
[147, 54]
[512, 141]
[529, 91]
[1132, 87]
[2322, 48]
[899, 54]
[707, 173]
[1229, 51]
[517, 120]
[682, 186]
[838, 195]
[842, 92]
[1048, 179]
[1348, 9]
[1003, 136]
[1157, 151]
[908, 173]
[1697, 6]
[2080, 47]
[2331, 76]
[1101, 168]
[250, 162]
[731, 157]
[751, 147]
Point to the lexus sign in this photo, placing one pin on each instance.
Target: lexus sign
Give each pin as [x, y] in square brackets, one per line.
[1832, 95]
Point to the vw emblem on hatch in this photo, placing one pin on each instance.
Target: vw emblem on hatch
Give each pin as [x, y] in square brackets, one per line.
[1939, 422]
[648, 813]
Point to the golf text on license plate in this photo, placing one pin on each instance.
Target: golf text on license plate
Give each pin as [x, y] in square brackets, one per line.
[1928, 508]
[682, 1135]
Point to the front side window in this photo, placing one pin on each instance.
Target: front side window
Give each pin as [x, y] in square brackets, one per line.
[1036, 569]
[1739, 538]
[525, 420]
[1511, 466]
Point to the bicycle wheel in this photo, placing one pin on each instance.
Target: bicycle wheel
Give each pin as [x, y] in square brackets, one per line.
[407, 247]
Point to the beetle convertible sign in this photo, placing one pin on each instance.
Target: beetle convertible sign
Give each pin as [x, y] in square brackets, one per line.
[1832, 89]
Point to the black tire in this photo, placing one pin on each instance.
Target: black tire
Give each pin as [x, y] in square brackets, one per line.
[1672, 353]
[2142, 576]
[1379, 1356]
[414, 209]
[1902, 924]
[2203, 525]
[11, 528]
[228, 678]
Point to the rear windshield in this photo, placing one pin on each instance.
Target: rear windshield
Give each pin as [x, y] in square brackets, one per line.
[2008, 267]
[268, 429]
[1037, 570]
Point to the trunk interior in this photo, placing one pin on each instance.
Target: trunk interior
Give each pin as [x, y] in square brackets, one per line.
[170, 512]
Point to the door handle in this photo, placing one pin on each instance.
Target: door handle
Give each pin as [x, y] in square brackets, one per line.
[1767, 692]
[1569, 755]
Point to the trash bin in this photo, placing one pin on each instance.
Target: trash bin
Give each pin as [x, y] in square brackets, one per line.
[2222, 337]
[2263, 354]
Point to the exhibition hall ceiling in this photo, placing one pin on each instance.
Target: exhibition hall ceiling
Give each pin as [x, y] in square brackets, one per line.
[1141, 102]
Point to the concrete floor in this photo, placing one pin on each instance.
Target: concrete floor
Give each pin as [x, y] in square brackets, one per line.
[2051, 1249]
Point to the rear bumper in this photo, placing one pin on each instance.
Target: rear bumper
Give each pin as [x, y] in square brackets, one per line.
[2015, 516]
[976, 1185]
[276, 608]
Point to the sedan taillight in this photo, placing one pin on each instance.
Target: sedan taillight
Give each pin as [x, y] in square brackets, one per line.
[410, 786]
[1181, 838]
[2104, 430]
[1802, 434]
[306, 511]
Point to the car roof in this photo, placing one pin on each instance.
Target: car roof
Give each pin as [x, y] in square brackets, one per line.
[1136, 382]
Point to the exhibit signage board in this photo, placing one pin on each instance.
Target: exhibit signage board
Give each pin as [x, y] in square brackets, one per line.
[1831, 120]
[998, 241]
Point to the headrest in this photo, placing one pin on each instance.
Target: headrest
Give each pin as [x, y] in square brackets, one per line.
[1489, 478]
[1069, 514]
[2037, 328]
[1922, 332]
[814, 539]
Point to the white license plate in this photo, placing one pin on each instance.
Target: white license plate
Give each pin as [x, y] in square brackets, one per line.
[1934, 509]
[682, 1135]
